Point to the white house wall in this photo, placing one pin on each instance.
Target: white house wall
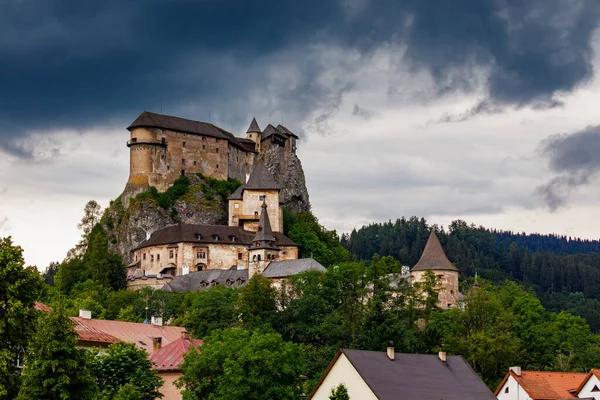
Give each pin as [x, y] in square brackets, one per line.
[586, 390]
[343, 372]
[515, 391]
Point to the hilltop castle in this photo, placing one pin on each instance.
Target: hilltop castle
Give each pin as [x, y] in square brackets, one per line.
[164, 147]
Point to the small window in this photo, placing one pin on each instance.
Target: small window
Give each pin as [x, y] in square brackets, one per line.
[261, 197]
[215, 237]
[136, 257]
[151, 257]
[194, 162]
[452, 292]
[168, 168]
[256, 213]
[203, 139]
[232, 238]
[184, 145]
[258, 257]
[201, 254]
[144, 256]
[170, 253]
[216, 150]
[240, 256]
[236, 205]
[217, 140]
[449, 305]
[133, 140]
[268, 257]
[595, 389]
[204, 284]
[183, 172]
[183, 161]
[203, 147]
[254, 257]
[228, 282]
[213, 283]
[235, 218]
[198, 236]
[506, 390]
[158, 257]
[217, 166]
[163, 141]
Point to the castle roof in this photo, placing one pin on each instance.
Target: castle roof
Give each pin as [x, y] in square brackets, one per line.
[285, 130]
[237, 194]
[286, 268]
[433, 257]
[253, 127]
[151, 120]
[261, 179]
[264, 239]
[193, 281]
[206, 234]
[270, 130]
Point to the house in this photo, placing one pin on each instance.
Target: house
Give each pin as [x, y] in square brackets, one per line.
[590, 386]
[167, 361]
[371, 375]
[543, 385]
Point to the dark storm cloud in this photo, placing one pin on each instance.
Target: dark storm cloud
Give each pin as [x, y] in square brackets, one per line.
[575, 158]
[88, 63]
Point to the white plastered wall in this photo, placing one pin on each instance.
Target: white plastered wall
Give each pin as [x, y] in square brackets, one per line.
[343, 372]
[515, 391]
[586, 390]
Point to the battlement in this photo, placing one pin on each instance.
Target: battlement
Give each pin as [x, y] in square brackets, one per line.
[164, 147]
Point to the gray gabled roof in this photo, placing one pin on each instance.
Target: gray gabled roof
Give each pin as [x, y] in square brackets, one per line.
[264, 238]
[270, 130]
[261, 179]
[285, 130]
[253, 128]
[193, 281]
[237, 194]
[415, 376]
[287, 268]
[433, 257]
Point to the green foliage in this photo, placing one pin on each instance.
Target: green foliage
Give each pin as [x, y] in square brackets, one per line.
[208, 310]
[314, 240]
[56, 369]
[339, 393]
[19, 289]
[98, 264]
[223, 188]
[237, 364]
[167, 200]
[257, 303]
[120, 367]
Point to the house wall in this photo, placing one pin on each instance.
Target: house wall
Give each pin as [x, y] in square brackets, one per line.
[252, 204]
[515, 391]
[586, 390]
[168, 389]
[448, 294]
[343, 372]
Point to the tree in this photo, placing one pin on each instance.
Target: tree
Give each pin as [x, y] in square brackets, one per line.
[19, 288]
[91, 216]
[339, 393]
[236, 364]
[56, 369]
[123, 364]
[257, 304]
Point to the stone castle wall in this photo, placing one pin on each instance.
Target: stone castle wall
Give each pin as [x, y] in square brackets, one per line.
[448, 281]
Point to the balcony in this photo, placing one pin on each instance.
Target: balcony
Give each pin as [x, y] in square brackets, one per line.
[134, 141]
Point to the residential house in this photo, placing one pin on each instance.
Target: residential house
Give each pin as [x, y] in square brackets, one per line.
[540, 385]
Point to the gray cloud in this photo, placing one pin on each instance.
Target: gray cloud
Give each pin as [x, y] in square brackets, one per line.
[363, 112]
[4, 224]
[574, 158]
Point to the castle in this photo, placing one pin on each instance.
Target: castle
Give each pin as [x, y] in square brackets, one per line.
[164, 147]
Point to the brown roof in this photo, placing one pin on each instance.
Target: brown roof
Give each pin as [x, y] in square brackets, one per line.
[270, 130]
[433, 257]
[285, 130]
[42, 307]
[106, 331]
[205, 234]
[415, 376]
[170, 357]
[264, 237]
[261, 179]
[253, 127]
[542, 385]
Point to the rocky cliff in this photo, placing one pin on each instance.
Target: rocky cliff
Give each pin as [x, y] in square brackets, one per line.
[287, 170]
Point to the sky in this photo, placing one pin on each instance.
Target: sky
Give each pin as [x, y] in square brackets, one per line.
[481, 110]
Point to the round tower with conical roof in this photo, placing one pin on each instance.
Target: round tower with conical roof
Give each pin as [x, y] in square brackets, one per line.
[435, 260]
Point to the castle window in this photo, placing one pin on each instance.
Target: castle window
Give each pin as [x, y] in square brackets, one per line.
[170, 253]
[228, 282]
[163, 141]
[184, 145]
[198, 236]
[232, 238]
[449, 305]
[203, 146]
[261, 197]
[204, 284]
[268, 257]
[258, 257]
[158, 257]
[213, 283]
[194, 162]
[204, 139]
[168, 168]
[133, 140]
[215, 237]
[217, 140]
[216, 149]
[235, 218]
[506, 390]
[151, 257]
[136, 257]
[144, 256]
[452, 292]
[217, 165]
[236, 206]
[254, 257]
[240, 255]
[201, 254]
[183, 161]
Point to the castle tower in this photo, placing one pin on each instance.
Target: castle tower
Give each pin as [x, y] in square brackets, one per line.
[263, 249]
[254, 133]
[245, 203]
[434, 259]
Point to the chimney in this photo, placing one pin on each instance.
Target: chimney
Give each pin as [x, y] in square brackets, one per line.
[391, 353]
[156, 343]
[247, 177]
[185, 335]
[87, 314]
[516, 370]
[442, 356]
[156, 321]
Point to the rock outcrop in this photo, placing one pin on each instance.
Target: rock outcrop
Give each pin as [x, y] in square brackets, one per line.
[287, 170]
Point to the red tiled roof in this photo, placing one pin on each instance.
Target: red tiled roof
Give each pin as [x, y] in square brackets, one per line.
[595, 372]
[170, 357]
[42, 307]
[100, 331]
[542, 385]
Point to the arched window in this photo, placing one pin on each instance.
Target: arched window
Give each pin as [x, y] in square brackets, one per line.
[254, 257]
[259, 257]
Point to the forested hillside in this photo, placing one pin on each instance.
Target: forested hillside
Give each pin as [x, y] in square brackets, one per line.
[564, 271]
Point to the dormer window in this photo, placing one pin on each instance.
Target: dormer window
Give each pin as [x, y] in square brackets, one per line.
[215, 237]
[204, 284]
[232, 238]
[228, 282]
[213, 283]
[198, 236]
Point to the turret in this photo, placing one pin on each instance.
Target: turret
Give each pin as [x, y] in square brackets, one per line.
[254, 133]
[264, 248]
[434, 259]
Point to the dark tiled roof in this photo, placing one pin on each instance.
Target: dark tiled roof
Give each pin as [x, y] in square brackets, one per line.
[253, 127]
[264, 238]
[287, 268]
[270, 130]
[189, 233]
[170, 357]
[433, 257]
[418, 376]
[237, 194]
[247, 144]
[285, 130]
[261, 179]
[193, 281]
